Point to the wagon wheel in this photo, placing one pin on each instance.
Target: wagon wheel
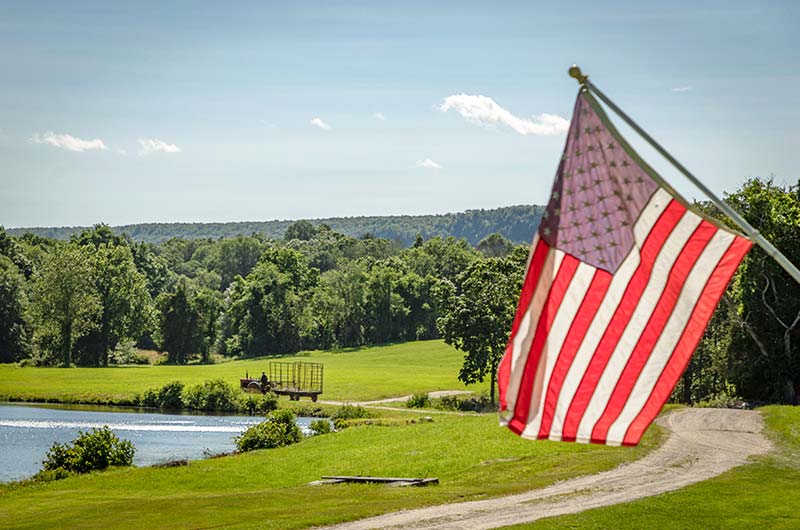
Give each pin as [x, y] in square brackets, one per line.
[314, 398]
[254, 386]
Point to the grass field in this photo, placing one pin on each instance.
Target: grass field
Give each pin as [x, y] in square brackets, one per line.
[764, 494]
[471, 455]
[354, 374]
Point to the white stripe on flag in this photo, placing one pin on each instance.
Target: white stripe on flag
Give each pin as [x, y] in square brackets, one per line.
[692, 289]
[647, 303]
[619, 281]
[522, 341]
[555, 340]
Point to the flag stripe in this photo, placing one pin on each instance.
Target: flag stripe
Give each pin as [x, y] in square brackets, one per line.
[656, 324]
[577, 331]
[539, 251]
[538, 254]
[563, 278]
[521, 345]
[692, 334]
[573, 297]
[647, 221]
[633, 291]
[632, 323]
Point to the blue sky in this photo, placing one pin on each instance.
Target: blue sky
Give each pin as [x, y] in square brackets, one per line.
[141, 112]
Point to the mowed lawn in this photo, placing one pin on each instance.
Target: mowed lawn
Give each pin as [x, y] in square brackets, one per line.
[352, 375]
[472, 457]
[763, 494]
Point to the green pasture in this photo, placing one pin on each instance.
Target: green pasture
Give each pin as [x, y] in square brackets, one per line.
[472, 457]
[351, 375]
[763, 494]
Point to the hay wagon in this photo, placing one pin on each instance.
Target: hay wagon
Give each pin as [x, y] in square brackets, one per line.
[294, 379]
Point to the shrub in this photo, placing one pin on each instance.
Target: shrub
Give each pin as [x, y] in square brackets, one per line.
[257, 403]
[168, 397]
[90, 451]
[320, 427]
[214, 395]
[277, 430]
[148, 398]
[418, 401]
[344, 415]
[351, 412]
[127, 353]
[464, 404]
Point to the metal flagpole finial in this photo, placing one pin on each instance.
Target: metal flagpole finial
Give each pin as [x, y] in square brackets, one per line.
[575, 71]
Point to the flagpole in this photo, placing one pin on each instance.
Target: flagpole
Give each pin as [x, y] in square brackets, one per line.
[746, 227]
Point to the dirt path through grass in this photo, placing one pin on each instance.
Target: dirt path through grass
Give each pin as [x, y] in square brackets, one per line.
[702, 444]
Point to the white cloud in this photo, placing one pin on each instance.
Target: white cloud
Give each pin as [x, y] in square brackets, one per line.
[682, 88]
[316, 122]
[155, 145]
[428, 163]
[483, 111]
[378, 116]
[68, 142]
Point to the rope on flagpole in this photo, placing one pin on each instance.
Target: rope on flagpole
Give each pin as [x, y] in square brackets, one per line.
[746, 227]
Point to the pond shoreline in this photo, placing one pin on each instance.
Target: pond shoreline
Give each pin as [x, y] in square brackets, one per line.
[28, 430]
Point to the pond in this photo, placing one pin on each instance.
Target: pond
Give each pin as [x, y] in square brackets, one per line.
[27, 432]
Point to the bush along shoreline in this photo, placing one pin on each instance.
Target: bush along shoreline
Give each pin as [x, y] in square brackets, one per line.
[215, 395]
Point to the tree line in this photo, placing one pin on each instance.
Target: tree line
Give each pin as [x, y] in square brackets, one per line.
[516, 223]
[94, 299]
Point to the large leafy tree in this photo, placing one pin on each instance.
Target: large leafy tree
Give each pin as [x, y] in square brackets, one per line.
[181, 323]
[765, 348]
[14, 327]
[65, 303]
[125, 303]
[477, 313]
[263, 310]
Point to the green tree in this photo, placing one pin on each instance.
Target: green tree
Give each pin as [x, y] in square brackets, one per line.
[494, 246]
[443, 258]
[65, 303]
[181, 325]
[263, 310]
[125, 304]
[477, 313]
[765, 350]
[302, 230]
[14, 327]
[236, 256]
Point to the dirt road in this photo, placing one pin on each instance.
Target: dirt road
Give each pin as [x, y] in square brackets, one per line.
[702, 443]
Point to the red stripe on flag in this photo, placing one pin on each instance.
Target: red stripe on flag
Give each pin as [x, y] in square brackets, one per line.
[655, 240]
[577, 331]
[539, 256]
[549, 311]
[692, 334]
[680, 270]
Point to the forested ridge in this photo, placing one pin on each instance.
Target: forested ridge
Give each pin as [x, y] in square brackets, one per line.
[94, 299]
[516, 223]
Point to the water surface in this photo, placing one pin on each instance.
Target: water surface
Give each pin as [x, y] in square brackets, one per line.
[27, 432]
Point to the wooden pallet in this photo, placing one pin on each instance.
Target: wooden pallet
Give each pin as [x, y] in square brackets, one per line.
[389, 481]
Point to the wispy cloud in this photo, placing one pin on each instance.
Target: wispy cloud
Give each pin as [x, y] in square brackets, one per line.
[378, 116]
[68, 142]
[483, 111]
[428, 163]
[682, 88]
[317, 122]
[155, 145]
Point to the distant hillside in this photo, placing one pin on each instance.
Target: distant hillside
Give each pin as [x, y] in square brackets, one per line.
[517, 223]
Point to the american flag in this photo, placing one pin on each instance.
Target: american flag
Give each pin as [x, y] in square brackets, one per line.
[622, 278]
